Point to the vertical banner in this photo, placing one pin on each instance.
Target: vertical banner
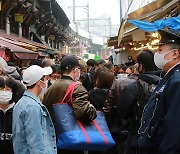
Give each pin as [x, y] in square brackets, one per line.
[0, 5]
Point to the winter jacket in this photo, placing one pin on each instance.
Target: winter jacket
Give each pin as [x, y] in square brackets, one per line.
[160, 124]
[6, 146]
[128, 102]
[82, 108]
[98, 97]
[114, 95]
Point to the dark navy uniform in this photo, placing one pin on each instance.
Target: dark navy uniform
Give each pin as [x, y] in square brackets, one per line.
[160, 123]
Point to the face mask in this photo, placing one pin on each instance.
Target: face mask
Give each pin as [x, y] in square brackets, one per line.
[44, 89]
[122, 75]
[159, 59]
[77, 75]
[5, 96]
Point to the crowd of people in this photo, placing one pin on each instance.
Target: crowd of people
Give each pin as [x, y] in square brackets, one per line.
[140, 100]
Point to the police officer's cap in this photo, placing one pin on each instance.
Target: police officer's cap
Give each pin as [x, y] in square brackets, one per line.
[168, 38]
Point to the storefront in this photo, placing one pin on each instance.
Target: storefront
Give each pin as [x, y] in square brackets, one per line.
[130, 39]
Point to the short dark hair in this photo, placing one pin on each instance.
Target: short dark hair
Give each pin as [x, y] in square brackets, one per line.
[56, 68]
[11, 83]
[109, 65]
[101, 61]
[105, 78]
[146, 59]
[174, 46]
[91, 62]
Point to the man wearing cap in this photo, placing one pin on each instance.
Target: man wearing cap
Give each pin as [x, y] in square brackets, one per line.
[33, 131]
[82, 108]
[160, 123]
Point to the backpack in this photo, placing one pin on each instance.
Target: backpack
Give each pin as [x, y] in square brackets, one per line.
[144, 92]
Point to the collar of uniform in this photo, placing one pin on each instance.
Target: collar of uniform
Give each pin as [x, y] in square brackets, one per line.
[66, 77]
[172, 68]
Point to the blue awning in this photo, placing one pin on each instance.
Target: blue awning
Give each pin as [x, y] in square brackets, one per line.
[172, 23]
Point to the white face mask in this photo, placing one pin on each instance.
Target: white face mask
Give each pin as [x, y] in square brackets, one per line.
[45, 88]
[77, 74]
[159, 59]
[5, 96]
[122, 75]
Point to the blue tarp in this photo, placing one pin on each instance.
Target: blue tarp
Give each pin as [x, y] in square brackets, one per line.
[173, 23]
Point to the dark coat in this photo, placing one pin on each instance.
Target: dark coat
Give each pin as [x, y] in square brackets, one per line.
[97, 97]
[160, 124]
[127, 107]
[130, 93]
[6, 145]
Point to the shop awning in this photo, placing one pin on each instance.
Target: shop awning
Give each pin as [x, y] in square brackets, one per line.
[25, 55]
[19, 52]
[50, 51]
[25, 43]
[151, 12]
[42, 54]
[112, 41]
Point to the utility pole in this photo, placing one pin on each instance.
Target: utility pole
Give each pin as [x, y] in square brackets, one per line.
[87, 9]
[74, 19]
[120, 10]
[88, 16]
[110, 26]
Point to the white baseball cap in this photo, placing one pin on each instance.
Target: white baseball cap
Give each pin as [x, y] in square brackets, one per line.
[34, 73]
[3, 64]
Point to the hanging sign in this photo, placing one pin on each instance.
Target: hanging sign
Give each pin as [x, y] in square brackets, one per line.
[19, 17]
[52, 37]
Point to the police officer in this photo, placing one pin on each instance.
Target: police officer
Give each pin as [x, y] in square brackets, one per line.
[160, 123]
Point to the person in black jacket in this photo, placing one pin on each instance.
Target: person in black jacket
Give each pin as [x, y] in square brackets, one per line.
[129, 107]
[7, 97]
[88, 81]
[103, 80]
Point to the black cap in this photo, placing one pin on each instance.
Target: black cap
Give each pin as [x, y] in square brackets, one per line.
[69, 62]
[168, 38]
